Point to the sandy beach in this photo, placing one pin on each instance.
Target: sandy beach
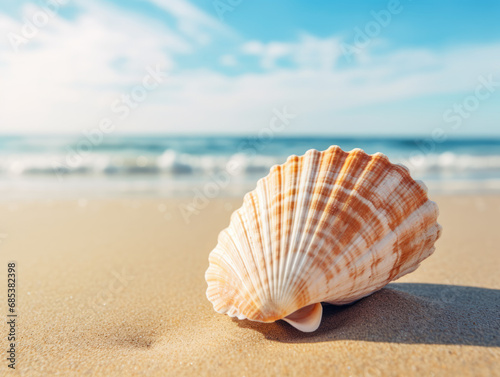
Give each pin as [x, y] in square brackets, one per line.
[116, 288]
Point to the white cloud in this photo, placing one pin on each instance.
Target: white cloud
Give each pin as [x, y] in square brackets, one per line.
[70, 71]
[228, 60]
[326, 100]
[67, 77]
[308, 52]
[268, 53]
[191, 21]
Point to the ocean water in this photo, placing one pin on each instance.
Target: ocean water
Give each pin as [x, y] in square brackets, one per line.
[74, 166]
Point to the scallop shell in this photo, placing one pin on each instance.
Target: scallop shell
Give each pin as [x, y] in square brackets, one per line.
[330, 227]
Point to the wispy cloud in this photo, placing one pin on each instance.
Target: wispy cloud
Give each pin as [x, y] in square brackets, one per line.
[69, 74]
[192, 21]
[308, 52]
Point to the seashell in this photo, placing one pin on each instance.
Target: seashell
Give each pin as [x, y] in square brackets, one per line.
[330, 227]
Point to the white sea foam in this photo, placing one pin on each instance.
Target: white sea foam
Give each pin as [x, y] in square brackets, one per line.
[174, 163]
[177, 165]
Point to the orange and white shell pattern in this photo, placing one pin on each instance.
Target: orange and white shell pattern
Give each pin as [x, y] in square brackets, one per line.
[328, 226]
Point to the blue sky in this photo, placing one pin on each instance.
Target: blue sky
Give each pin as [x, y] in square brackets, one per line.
[340, 67]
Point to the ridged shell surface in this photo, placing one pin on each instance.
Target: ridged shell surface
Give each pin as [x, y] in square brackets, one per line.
[329, 226]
